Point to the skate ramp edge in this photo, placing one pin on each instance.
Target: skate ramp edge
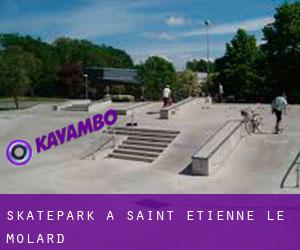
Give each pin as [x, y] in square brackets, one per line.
[70, 103]
[209, 158]
[99, 105]
[131, 109]
[169, 112]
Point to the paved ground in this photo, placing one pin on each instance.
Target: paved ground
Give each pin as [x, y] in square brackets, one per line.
[256, 166]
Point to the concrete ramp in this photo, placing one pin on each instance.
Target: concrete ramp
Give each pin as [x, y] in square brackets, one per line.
[84, 105]
[170, 112]
[73, 105]
[128, 108]
[259, 164]
[217, 148]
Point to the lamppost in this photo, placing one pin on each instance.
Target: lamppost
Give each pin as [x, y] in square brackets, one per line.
[207, 25]
[86, 86]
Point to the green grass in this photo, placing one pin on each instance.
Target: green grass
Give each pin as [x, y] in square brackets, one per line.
[7, 103]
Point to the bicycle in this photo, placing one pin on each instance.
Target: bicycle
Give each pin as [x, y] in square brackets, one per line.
[252, 121]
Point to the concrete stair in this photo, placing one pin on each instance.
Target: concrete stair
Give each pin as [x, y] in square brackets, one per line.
[142, 144]
[139, 133]
[150, 144]
[142, 148]
[157, 131]
[149, 139]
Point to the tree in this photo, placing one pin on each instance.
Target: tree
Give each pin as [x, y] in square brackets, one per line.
[238, 68]
[200, 66]
[188, 82]
[156, 73]
[85, 53]
[14, 79]
[45, 61]
[71, 80]
[43, 72]
[33, 68]
[282, 51]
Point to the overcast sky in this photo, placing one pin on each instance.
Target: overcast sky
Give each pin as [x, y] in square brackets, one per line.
[170, 28]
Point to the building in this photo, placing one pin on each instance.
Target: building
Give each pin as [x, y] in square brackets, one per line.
[112, 76]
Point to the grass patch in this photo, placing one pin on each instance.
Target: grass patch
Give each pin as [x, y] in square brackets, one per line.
[7, 103]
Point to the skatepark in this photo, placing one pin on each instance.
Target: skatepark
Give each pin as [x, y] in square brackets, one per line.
[164, 153]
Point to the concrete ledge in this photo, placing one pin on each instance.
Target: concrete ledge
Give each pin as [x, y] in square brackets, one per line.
[99, 105]
[70, 103]
[166, 113]
[130, 109]
[215, 151]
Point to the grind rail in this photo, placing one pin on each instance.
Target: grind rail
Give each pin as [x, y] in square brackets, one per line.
[295, 166]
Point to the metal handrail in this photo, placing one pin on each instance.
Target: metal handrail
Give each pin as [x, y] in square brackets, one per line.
[297, 174]
[295, 165]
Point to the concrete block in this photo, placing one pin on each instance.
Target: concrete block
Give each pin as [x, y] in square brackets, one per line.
[101, 105]
[168, 112]
[214, 152]
[70, 103]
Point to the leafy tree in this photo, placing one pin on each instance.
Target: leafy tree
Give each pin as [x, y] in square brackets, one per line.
[44, 68]
[282, 51]
[156, 73]
[14, 79]
[45, 62]
[87, 54]
[188, 82]
[200, 65]
[238, 68]
[34, 70]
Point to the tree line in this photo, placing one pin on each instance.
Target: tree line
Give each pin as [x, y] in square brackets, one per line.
[29, 66]
[254, 72]
[248, 71]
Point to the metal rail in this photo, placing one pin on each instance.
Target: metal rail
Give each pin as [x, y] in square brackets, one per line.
[294, 166]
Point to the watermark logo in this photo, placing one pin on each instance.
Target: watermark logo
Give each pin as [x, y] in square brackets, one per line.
[19, 152]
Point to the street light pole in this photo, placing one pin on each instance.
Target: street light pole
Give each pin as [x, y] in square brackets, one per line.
[86, 86]
[207, 24]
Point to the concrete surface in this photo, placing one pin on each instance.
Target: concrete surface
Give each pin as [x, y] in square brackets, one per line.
[256, 166]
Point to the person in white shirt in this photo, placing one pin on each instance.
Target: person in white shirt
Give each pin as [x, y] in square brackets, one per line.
[279, 105]
[221, 92]
[166, 96]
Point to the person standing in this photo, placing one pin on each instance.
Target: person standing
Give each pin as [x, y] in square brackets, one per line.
[221, 92]
[166, 96]
[279, 105]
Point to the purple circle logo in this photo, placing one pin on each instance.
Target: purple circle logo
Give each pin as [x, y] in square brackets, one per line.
[19, 152]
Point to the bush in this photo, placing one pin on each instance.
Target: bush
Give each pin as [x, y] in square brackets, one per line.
[122, 98]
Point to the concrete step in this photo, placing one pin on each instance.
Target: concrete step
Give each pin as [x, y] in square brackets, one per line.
[150, 139]
[146, 143]
[142, 148]
[131, 157]
[138, 133]
[147, 130]
[135, 152]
